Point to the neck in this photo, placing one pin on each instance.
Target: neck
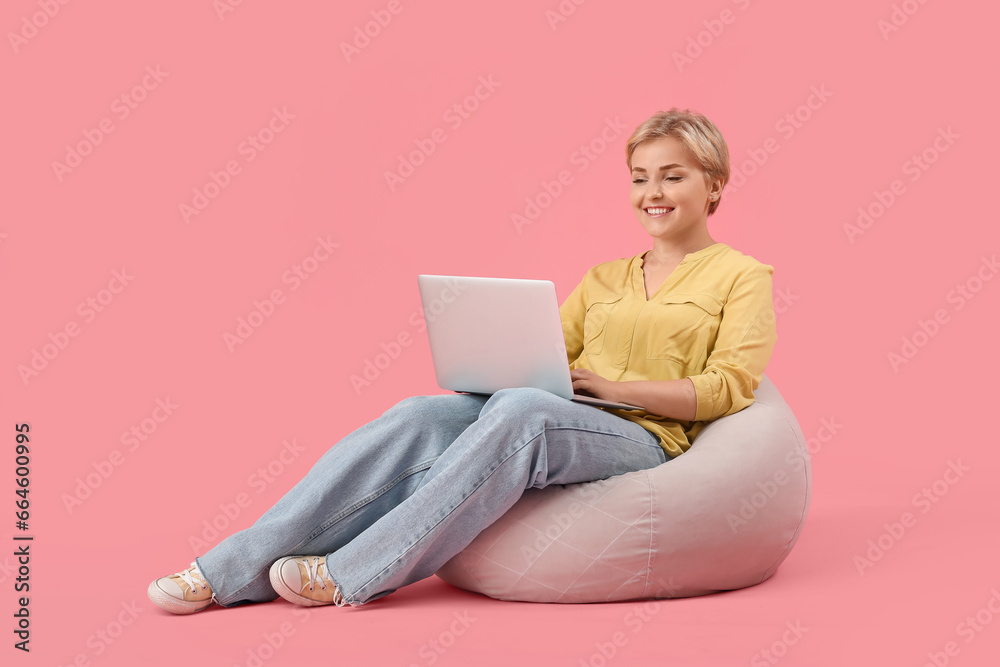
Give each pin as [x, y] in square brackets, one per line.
[672, 252]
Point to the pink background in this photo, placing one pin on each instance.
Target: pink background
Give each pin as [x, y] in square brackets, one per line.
[845, 303]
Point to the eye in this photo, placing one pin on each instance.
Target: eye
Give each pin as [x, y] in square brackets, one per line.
[637, 180]
[672, 178]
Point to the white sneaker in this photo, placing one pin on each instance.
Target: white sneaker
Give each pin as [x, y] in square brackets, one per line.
[304, 580]
[183, 593]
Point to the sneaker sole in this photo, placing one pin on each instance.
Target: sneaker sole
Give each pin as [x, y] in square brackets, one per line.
[285, 591]
[172, 604]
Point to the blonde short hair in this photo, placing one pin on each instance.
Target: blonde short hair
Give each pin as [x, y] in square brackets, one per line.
[696, 132]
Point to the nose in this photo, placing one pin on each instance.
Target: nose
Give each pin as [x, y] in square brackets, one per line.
[653, 190]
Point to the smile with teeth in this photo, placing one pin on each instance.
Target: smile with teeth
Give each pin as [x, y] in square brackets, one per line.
[656, 211]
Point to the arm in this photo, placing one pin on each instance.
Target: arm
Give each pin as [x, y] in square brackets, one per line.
[673, 399]
[572, 312]
[743, 347]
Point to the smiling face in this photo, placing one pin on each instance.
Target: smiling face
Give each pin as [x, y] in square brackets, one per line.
[670, 191]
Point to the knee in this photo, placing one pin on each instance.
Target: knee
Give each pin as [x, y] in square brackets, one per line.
[523, 403]
[410, 401]
[410, 404]
[433, 403]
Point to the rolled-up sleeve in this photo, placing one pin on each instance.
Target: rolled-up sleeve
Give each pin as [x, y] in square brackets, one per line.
[743, 346]
[572, 312]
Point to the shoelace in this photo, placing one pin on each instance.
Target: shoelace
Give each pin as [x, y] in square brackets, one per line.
[318, 572]
[187, 576]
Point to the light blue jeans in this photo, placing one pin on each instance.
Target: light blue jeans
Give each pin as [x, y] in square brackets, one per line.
[394, 500]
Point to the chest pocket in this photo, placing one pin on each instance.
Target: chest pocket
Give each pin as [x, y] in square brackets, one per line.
[683, 329]
[595, 324]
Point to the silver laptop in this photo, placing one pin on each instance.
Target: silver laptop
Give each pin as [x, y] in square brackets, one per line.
[488, 334]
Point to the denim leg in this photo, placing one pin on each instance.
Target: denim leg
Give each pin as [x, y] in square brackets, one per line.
[366, 474]
[523, 438]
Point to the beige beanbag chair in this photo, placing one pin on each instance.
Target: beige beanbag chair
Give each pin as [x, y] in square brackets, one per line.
[721, 516]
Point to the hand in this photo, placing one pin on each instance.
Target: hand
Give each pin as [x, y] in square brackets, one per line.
[591, 384]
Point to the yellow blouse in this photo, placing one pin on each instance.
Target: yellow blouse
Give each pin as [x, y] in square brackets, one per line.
[712, 320]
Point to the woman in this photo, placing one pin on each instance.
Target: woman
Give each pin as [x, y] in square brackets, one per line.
[684, 330]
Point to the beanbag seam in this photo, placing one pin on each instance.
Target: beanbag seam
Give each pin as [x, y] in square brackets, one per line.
[652, 532]
[802, 516]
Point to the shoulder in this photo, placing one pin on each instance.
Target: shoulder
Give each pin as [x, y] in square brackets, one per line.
[740, 262]
[734, 266]
[614, 266]
[612, 275]
[731, 272]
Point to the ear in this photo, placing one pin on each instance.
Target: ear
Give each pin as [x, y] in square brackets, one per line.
[715, 187]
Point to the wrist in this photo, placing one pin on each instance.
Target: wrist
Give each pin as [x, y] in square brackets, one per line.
[619, 392]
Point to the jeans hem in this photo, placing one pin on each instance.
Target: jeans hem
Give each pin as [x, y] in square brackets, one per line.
[204, 575]
[344, 599]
